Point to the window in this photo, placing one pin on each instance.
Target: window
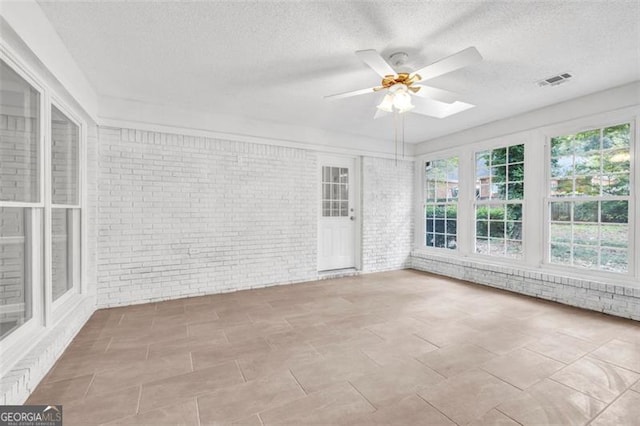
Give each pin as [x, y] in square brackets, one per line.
[40, 201]
[335, 191]
[589, 199]
[499, 201]
[441, 207]
[65, 196]
[20, 199]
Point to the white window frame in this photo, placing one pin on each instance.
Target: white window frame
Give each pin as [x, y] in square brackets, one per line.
[535, 212]
[476, 203]
[580, 125]
[45, 313]
[69, 298]
[20, 338]
[421, 238]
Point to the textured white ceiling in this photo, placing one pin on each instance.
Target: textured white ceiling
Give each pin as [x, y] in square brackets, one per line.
[274, 61]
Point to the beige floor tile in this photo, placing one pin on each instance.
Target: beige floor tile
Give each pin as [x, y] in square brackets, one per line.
[562, 347]
[206, 329]
[74, 366]
[469, 395]
[444, 333]
[103, 408]
[411, 410]
[255, 330]
[621, 353]
[61, 392]
[494, 418]
[392, 383]
[359, 340]
[625, 411]
[334, 369]
[596, 378]
[399, 349]
[398, 327]
[502, 341]
[227, 351]
[246, 399]
[549, 402]
[369, 330]
[631, 333]
[185, 413]
[186, 344]
[140, 372]
[452, 360]
[278, 360]
[327, 407]
[522, 368]
[172, 390]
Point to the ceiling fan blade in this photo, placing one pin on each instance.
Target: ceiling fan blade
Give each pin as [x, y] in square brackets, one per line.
[438, 109]
[376, 62]
[351, 93]
[465, 57]
[380, 113]
[434, 93]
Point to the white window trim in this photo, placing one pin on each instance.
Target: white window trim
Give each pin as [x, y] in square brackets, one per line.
[71, 297]
[421, 237]
[44, 316]
[581, 125]
[535, 215]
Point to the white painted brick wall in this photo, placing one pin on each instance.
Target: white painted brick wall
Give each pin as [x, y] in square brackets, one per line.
[182, 216]
[387, 213]
[611, 299]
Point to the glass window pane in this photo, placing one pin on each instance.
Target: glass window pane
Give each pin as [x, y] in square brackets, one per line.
[614, 235]
[514, 211]
[585, 212]
[19, 138]
[614, 212]
[516, 172]
[586, 257]
[516, 153]
[65, 157]
[65, 238]
[499, 156]
[482, 245]
[587, 185]
[561, 233]
[561, 254]
[615, 184]
[482, 228]
[586, 234]
[616, 260]
[15, 267]
[561, 211]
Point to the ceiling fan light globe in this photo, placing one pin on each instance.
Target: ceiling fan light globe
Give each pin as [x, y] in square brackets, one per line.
[387, 103]
[402, 101]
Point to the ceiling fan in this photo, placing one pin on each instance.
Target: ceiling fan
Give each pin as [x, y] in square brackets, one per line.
[401, 86]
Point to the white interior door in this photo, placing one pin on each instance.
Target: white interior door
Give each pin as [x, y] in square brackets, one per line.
[337, 221]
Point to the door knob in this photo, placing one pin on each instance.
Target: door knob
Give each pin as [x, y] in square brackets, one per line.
[352, 218]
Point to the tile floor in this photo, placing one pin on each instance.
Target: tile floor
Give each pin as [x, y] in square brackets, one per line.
[402, 348]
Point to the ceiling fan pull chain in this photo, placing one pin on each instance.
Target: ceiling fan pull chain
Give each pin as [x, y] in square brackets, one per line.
[403, 136]
[395, 134]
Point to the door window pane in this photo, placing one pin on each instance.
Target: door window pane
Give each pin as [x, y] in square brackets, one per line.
[19, 138]
[65, 151]
[335, 191]
[15, 268]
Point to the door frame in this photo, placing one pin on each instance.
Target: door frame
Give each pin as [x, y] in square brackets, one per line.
[356, 187]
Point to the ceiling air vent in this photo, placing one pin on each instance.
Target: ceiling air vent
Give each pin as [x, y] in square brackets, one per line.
[555, 80]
